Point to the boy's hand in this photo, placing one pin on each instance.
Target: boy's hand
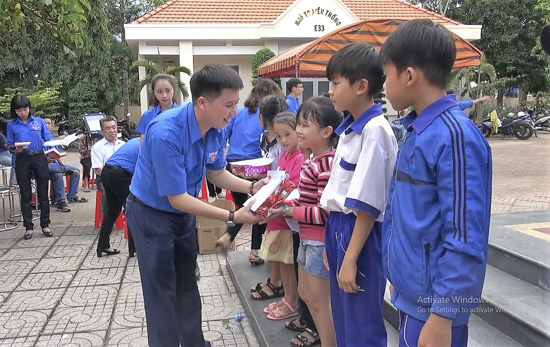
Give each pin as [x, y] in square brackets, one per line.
[325, 259]
[346, 277]
[436, 332]
[223, 244]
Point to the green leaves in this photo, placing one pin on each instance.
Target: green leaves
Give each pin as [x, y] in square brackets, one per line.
[258, 59]
[62, 19]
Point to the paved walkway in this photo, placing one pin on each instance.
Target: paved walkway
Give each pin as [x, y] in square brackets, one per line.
[55, 291]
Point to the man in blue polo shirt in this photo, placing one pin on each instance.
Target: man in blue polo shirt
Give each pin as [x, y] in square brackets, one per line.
[294, 88]
[180, 147]
[116, 176]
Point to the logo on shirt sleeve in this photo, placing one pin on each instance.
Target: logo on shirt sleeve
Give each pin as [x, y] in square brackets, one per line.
[213, 156]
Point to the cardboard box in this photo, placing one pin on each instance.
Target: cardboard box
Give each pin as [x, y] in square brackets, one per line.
[210, 230]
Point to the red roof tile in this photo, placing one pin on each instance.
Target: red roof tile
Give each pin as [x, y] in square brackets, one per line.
[266, 11]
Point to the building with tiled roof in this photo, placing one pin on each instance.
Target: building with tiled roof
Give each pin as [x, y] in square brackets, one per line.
[196, 32]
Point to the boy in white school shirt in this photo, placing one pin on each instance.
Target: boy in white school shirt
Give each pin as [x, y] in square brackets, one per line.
[356, 196]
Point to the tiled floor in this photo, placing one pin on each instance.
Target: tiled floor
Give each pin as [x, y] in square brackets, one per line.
[55, 291]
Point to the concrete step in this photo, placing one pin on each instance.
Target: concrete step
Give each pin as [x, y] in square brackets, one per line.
[518, 253]
[480, 333]
[269, 333]
[515, 307]
[274, 334]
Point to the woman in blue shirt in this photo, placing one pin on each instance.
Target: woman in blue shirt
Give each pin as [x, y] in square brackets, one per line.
[30, 161]
[163, 90]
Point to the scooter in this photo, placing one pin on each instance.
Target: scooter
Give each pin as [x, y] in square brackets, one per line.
[540, 121]
[509, 125]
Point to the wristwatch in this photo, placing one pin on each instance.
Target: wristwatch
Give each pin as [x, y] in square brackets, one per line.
[231, 219]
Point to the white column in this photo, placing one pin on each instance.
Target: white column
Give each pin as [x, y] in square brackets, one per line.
[186, 59]
[144, 101]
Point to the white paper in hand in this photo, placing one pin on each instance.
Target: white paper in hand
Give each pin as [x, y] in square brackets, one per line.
[275, 179]
[67, 140]
[292, 223]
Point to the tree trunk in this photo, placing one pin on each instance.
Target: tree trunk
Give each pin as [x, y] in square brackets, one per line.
[500, 97]
[522, 96]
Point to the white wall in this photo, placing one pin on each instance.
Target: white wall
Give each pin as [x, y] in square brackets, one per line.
[245, 69]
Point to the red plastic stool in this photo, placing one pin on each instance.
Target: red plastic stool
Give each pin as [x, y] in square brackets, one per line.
[67, 182]
[99, 215]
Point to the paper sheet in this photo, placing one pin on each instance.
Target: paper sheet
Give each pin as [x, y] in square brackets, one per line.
[62, 142]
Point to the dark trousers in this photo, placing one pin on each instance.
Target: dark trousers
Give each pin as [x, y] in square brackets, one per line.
[305, 315]
[33, 166]
[166, 245]
[116, 182]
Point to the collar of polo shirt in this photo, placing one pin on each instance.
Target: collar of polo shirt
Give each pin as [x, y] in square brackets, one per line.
[358, 124]
[425, 118]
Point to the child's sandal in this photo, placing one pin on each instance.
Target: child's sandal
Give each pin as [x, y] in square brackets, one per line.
[271, 306]
[297, 324]
[278, 314]
[304, 341]
[276, 292]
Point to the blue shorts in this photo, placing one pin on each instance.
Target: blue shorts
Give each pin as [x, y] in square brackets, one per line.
[310, 256]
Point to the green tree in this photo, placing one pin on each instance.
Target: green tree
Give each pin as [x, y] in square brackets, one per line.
[154, 68]
[62, 19]
[509, 39]
[258, 59]
[44, 100]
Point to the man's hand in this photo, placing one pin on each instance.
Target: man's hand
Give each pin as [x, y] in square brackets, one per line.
[346, 276]
[259, 185]
[246, 216]
[436, 332]
[50, 159]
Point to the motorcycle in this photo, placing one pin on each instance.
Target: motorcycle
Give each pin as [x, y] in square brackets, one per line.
[509, 125]
[540, 121]
[125, 127]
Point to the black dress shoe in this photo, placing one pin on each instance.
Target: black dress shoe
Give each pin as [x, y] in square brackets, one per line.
[27, 235]
[101, 251]
[47, 232]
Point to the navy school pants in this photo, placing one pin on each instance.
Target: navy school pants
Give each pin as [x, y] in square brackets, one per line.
[166, 245]
[358, 319]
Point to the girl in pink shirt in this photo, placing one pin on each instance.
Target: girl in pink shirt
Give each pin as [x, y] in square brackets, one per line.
[277, 245]
[317, 120]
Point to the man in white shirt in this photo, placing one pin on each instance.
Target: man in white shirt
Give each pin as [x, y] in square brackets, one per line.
[104, 149]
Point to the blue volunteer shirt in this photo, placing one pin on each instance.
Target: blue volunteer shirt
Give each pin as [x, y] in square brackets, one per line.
[148, 117]
[293, 104]
[34, 131]
[126, 156]
[466, 104]
[244, 132]
[174, 157]
[436, 227]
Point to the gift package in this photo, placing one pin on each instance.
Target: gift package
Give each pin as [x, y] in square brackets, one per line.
[251, 168]
[272, 194]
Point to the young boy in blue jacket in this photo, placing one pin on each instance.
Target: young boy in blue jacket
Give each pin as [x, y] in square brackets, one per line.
[436, 224]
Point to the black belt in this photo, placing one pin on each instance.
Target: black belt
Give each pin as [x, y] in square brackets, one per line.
[117, 168]
[37, 152]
